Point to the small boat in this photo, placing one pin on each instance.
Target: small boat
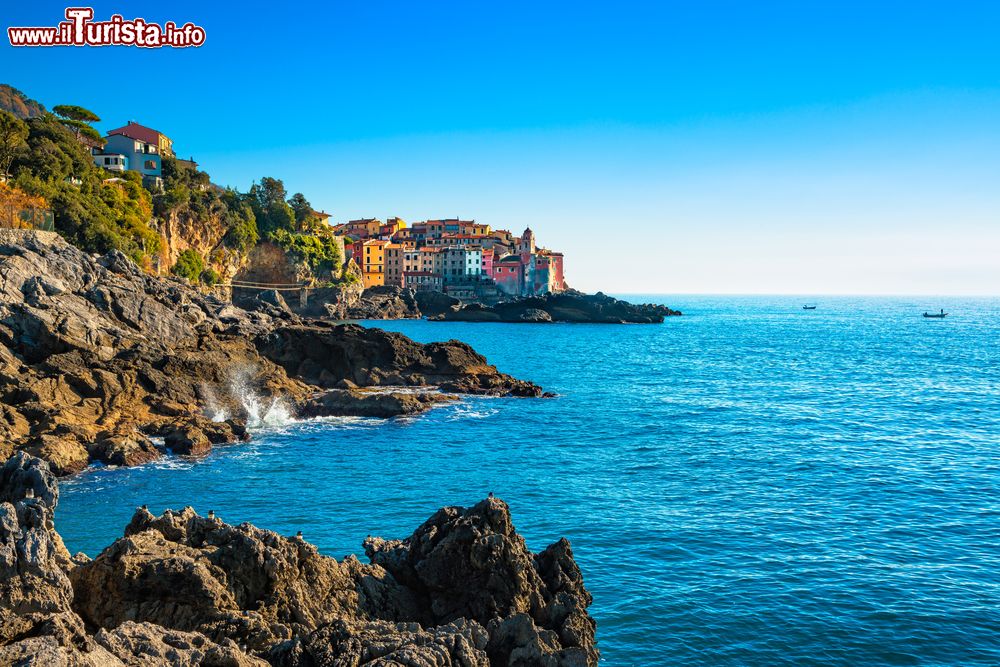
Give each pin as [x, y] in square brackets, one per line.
[808, 307]
[939, 316]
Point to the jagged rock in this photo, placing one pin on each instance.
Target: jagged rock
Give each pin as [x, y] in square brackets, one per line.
[142, 644]
[472, 564]
[385, 302]
[432, 302]
[534, 315]
[181, 589]
[326, 355]
[125, 448]
[459, 644]
[94, 351]
[33, 585]
[273, 298]
[356, 402]
[66, 455]
[187, 441]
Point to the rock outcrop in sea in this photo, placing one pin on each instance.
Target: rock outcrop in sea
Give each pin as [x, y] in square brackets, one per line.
[98, 360]
[569, 306]
[182, 589]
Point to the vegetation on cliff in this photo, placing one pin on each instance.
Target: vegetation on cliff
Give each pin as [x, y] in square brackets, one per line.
[19, 104]
[185, 222]
[91, 211]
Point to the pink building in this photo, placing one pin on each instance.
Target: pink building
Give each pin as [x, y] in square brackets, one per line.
[488, 262]
[508, 274]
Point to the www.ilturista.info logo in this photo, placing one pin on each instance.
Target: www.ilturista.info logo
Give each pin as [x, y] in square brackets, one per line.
[79, 29]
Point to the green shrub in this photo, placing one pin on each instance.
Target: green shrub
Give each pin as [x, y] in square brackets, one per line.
[209, 277]
[189, 265]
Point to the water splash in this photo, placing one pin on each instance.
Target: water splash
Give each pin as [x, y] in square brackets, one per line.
[213, 406]
[242, 397]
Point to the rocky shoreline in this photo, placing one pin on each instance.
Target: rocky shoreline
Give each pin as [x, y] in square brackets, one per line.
[99, 360]
[397, 303]
[183, 589]
[570, 306]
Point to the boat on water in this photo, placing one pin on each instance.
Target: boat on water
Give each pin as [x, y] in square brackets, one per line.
[808, 307]
[938, 316]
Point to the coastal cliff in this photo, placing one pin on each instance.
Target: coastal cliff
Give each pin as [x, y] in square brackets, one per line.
[99, 360]
[182, 589]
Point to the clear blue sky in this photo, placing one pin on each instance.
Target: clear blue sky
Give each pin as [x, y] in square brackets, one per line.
[783, 147]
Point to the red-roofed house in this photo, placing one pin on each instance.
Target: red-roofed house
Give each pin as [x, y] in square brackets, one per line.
[164, 146]
[143, 149]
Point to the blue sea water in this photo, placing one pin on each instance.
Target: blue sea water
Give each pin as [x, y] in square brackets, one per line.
[749, 484]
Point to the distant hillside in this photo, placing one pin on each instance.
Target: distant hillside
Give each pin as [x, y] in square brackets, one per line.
[19, 104]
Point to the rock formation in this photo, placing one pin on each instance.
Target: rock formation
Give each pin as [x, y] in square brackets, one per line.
[97, 358]
[570, 306]
[181, 589]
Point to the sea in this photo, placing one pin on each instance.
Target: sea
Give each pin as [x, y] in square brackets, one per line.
[749, 484]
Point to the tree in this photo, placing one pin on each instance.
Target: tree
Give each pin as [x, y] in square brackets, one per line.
[270, 209]
[302, 208]
[73, 112]
[13, 133]
[77, 120]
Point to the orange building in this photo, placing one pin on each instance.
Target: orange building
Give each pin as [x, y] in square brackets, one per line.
[370, 256]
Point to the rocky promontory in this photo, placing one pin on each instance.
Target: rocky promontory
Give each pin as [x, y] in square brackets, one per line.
[100, 361]
[182, 589]
[569, 306]
[386, 302]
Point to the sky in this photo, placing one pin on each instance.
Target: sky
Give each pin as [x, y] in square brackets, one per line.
[664, 147]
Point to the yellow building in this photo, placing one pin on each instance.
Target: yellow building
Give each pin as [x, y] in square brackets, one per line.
[473, 228]
[372, 262]
[363, 228]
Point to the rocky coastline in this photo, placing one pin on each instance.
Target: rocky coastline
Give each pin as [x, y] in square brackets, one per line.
[570, 306]
[395, 303]
[100, 361]
[184, 589]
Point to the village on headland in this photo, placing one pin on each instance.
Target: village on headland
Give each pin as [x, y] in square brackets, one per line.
[463, 258]
[128, 190]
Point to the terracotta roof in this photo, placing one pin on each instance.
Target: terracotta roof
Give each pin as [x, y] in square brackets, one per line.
[138, 132]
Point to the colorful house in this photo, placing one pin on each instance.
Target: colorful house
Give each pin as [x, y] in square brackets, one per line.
[508, 274]
[111, 161]
[370, 256]
[462, 264]
[142, 147]
[488, 262]
[365, 228]
[133, 130]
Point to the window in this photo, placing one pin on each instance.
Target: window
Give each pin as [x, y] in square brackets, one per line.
[150, 164]
[107, 160]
